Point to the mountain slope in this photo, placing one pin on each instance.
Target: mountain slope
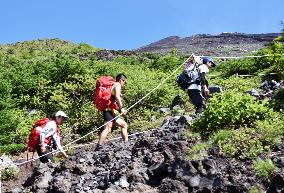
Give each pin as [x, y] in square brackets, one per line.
[154, 162]
[229, 44]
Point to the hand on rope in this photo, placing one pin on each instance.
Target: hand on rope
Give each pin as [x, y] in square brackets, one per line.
[124, 112]
[192, 58]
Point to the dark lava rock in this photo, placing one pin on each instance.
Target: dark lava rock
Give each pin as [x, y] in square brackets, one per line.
[152, 162]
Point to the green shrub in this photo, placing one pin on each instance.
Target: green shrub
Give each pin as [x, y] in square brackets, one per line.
[242, 143]
[279, 100]
[271, 129]
[50, 75]
[255, 189]
[198, 151]
[220, 136]
[279, 68]
[241, 67]
[12, 148]
[276, 59]
[14, 130]
[9, 173]
[250, 142]
[264, 168]
[195, 136]
[230, 109]
[167, 63]
[274, 62]
[274, 50]
[237, 84]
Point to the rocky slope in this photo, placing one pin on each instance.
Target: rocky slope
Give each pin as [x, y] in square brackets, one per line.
[225, 44]
[152, 162]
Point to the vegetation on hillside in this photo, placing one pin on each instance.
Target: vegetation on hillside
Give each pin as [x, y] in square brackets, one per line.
[237, 123]
[44, 76]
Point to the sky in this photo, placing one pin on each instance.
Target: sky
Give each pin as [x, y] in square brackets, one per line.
[130, 24]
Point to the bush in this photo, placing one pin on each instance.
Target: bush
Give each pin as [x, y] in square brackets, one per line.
[12, 148]
[271, 129]
[279, 100]
[264, 168]
[167, 63]
[242, 143]
[8, 170]
[255, 189]
[276, 59]
[250, 142]
[14, 129]
[274, 62]
[237, 84]
[230, 110]
[52, 75]
[9, 173]
[241, 67]
[220, 136]
[198, 151]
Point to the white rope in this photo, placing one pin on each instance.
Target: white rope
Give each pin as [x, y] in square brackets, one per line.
[132, 106]
[87, 144]
[161, 83]
[239, 57]
[113, 139]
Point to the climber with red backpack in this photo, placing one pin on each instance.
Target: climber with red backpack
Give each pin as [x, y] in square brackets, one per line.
[45, 135]
[108, 100]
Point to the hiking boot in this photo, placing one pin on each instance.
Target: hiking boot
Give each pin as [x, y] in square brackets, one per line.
[98, 147]
[50, 164]
[200, 109]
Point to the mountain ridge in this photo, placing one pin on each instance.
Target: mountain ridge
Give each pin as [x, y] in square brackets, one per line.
[226, 43]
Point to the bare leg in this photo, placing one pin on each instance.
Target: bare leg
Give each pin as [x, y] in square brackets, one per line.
[123, 126]
[105, 132]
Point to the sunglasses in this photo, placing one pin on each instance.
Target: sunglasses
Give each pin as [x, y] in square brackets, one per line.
[63, 118]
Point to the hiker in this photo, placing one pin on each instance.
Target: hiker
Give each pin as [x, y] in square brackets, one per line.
[193, 80]
[50, 133]
[200, 84]
[113, 108]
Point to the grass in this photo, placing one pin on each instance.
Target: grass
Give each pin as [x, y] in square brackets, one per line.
[264, 168]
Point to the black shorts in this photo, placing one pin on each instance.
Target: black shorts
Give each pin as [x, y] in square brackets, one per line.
[108, 115]
[45, 158]
[196, 97]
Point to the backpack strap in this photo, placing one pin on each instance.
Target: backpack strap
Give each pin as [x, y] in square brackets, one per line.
[196, 68]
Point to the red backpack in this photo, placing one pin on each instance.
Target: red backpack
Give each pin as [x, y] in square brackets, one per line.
[102, 96]
[34, 136]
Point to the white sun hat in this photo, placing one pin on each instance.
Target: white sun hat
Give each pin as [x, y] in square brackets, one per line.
[61, 114]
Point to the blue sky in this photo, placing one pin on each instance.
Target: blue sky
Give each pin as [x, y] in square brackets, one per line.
[129, 24]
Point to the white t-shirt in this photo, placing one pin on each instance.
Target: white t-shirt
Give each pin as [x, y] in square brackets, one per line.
[50, 131]
[195, 75]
